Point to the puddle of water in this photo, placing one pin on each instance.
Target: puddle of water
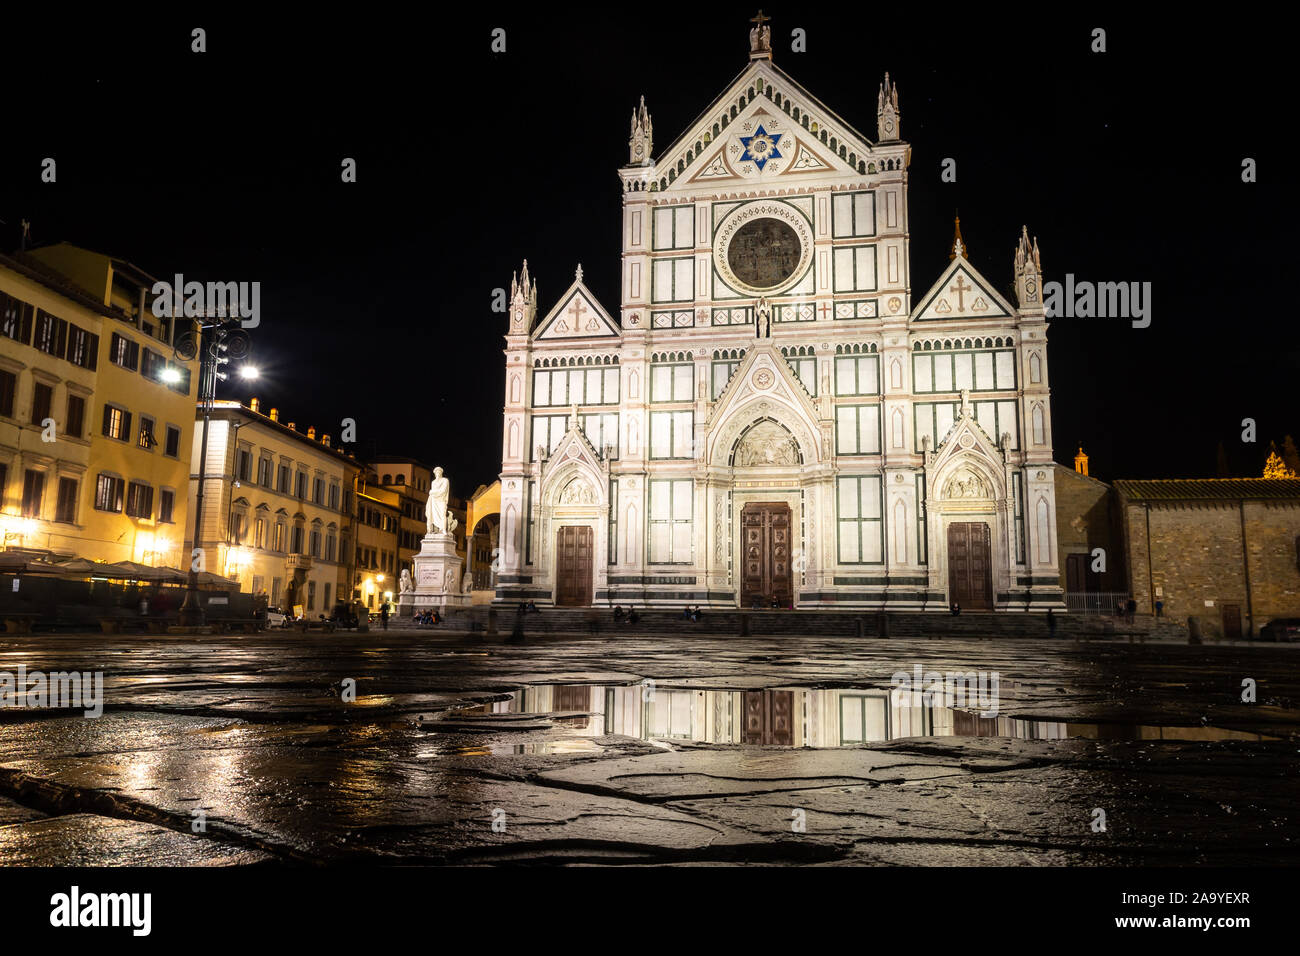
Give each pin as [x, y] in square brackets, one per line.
[792, 717]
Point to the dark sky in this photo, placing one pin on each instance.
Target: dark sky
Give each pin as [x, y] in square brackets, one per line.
[375, 296]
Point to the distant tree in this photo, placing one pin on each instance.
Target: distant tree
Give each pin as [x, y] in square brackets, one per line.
[1290, 455]
[1275, 467]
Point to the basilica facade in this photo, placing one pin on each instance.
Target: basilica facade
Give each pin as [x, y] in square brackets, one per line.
[770, 417]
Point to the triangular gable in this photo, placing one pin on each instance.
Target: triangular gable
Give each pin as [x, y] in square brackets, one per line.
[961, 293]
[574, 448]
[577, 315]
[714, 147]
[749, 381]
[954, 443]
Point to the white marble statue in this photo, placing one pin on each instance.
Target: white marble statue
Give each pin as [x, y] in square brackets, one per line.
[435, 509]
[404, 584]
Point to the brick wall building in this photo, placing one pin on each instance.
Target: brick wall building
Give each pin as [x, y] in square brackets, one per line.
[1226, 550]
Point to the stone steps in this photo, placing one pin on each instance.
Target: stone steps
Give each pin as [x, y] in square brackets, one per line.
[820, 623]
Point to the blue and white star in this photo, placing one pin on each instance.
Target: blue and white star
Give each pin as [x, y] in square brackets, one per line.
[760, 147]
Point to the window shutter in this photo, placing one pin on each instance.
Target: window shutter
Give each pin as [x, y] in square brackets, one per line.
[126, 426]
[107, 412]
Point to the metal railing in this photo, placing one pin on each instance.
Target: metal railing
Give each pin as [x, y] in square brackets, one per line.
[1095, 602]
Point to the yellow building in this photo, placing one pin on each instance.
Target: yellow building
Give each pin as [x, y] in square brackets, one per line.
[96, 414]
[410, 480]
[378, 523]
[277, 507]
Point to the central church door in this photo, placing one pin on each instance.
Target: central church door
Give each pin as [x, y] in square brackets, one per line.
[573, 566]
[970, 568]
[765, 546]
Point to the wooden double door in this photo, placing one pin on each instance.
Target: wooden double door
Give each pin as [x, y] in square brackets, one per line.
[574, 549]
[765, 536]
[769, 718]
[970, 565]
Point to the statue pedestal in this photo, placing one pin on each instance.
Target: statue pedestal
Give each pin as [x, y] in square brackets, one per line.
[437, 577]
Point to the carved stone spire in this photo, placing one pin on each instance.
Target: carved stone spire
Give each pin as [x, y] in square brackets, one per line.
[760, 38]
[1029, 273]
[642, 140]
[523, 302]
[958, 244]
[887, 115]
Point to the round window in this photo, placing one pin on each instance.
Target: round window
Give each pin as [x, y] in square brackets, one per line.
[764, 253]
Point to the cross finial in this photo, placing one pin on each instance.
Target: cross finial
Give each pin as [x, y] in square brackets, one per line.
[958, 244]
[760, 38]
[760, 19]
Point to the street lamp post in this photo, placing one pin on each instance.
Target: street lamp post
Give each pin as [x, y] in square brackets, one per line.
[226, 339]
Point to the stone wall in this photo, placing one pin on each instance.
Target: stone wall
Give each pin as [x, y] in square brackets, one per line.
[1085, 520]
[1196, 556]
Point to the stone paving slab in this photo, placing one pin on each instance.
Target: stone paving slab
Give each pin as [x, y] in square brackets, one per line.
[84, 839]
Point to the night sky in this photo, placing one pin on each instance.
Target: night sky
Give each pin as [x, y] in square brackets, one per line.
[376, 295]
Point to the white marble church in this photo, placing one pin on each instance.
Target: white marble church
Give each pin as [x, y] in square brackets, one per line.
[769, 418]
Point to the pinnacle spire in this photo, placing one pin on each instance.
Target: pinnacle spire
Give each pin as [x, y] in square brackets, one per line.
[958, 244]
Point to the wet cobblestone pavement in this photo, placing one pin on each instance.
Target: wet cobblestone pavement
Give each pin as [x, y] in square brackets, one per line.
[624, 750]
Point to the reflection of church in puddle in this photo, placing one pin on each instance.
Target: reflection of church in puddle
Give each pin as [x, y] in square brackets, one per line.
[769, 416]
[793, 717]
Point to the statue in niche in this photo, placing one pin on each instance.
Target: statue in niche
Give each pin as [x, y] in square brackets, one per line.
[763, 319]
[435, 508]
[404, 584]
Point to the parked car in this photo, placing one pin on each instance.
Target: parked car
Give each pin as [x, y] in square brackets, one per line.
[1281, 629]
[276, 618]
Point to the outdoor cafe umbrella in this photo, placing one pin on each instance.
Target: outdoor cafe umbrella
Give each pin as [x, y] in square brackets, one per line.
[133, 571]
[11, 563]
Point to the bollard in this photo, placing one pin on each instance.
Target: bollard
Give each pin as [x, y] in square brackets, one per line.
[1194, 629]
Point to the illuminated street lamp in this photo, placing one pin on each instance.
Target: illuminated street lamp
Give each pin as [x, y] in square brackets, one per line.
[217, 339]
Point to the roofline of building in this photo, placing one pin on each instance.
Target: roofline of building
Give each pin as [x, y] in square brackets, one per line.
[228, 405]
[56, 282]
[1120, 483]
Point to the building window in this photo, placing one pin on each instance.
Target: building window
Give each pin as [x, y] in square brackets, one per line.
[315, 543]
[182, 384]
[591, 385]
[298, 534]
[75, 426]
[601, 431]
[15, 319]
[672, 434]
[805, 369]
[83, 348]
[325, 605]
[331, 546]
[8, 388]
[672, 383]
[42, 402]
[259, 533]
[278, 543]
[857, 375]
[853, 214]
[857, 430]
[33, 492]
[65, 509]
[264, 472]
[300, 485]
[123, 352]
[152, 365]
[172, 447]
[311, 595]
[997, 418]
[51, 334]
[282, 480]
[139, 500]
[932, 420]
[318, 491]
[243, 464]
[166, 505]
[109, 490]
[146, 439]
[674, 228]
[861, 533]
[547, 432]
[722, 372]
[671, 524]
[854, 269]
[117, 423]
[978, 371]
[334, 497]
[674, 280]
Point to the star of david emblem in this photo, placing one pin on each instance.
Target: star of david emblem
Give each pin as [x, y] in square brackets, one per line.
[760, 147]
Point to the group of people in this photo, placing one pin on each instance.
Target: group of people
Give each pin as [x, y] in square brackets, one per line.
[625, 617]
[1126, 609]
[692, 614]
[426, 618]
